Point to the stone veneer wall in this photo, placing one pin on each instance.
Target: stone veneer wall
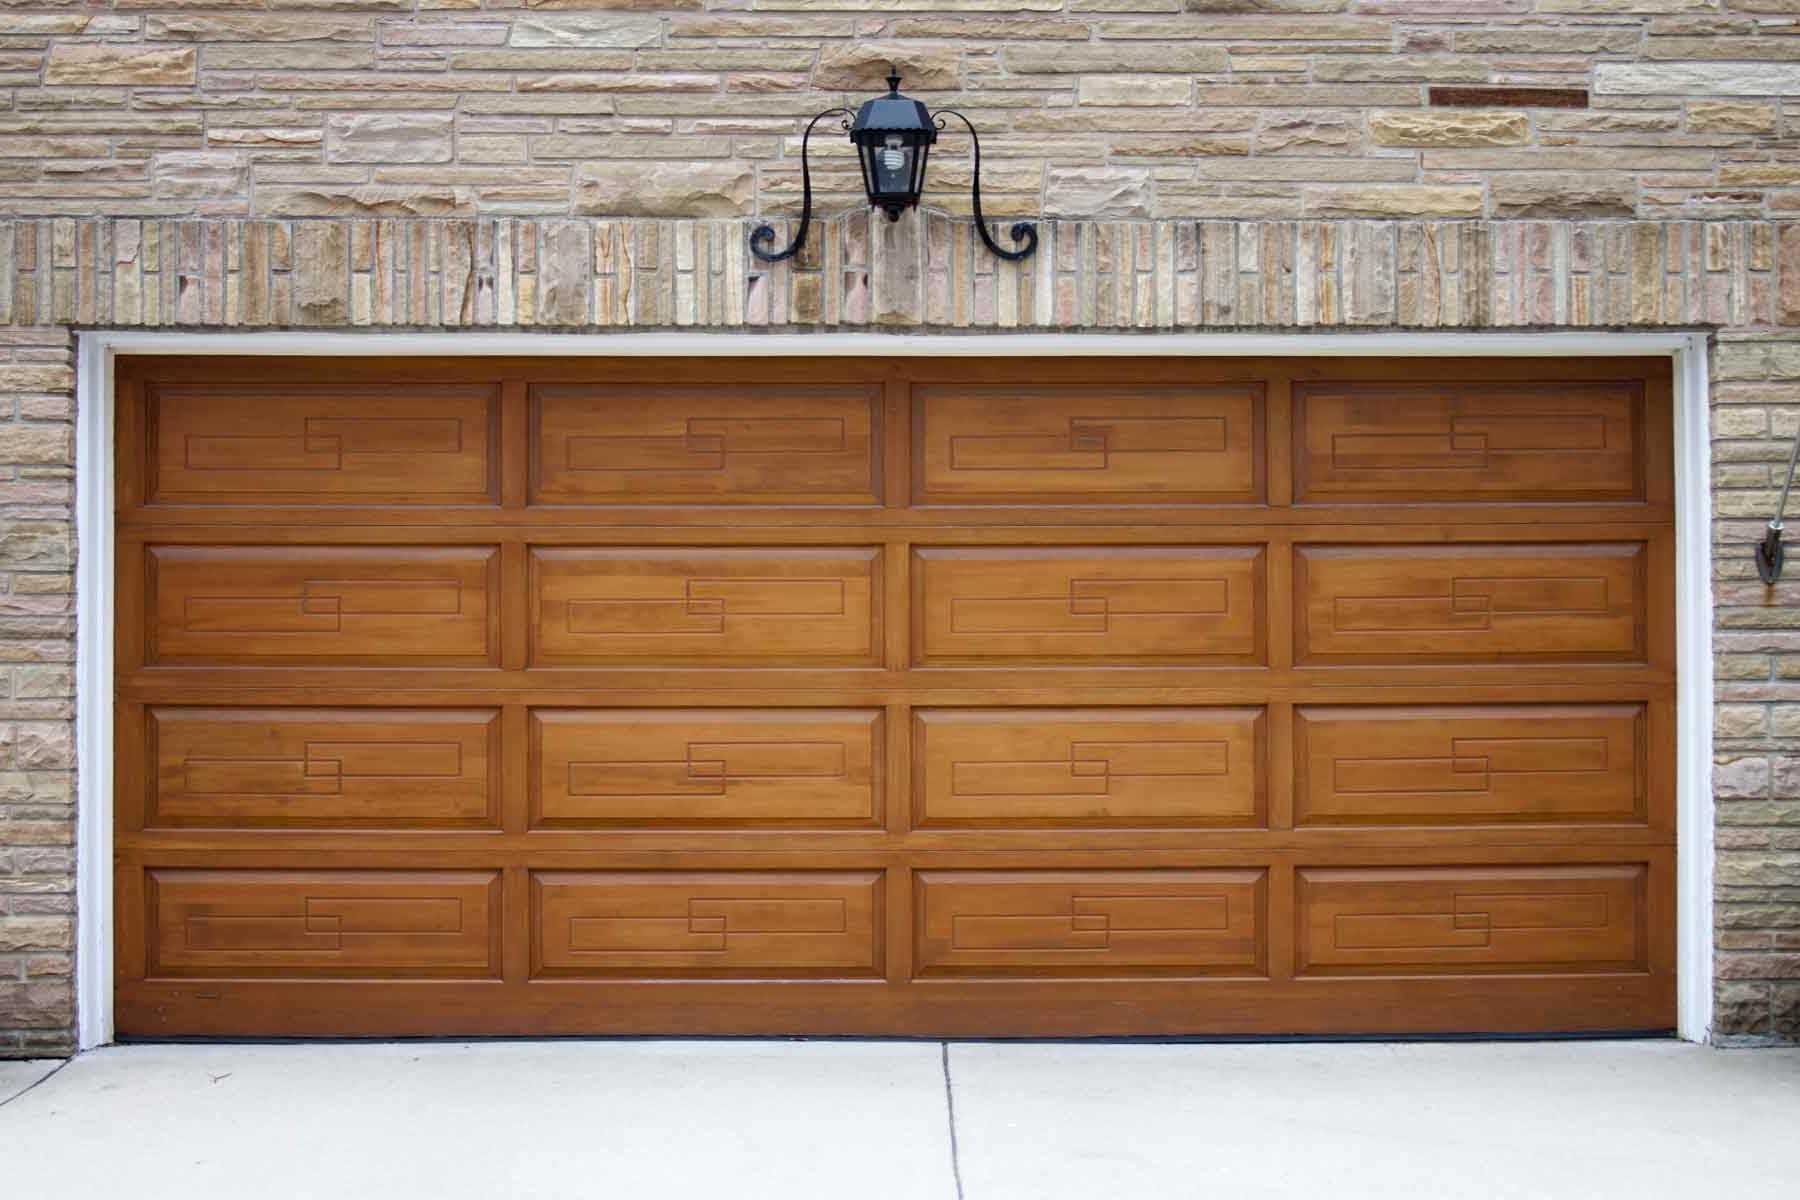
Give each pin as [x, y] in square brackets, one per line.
[1740, 279]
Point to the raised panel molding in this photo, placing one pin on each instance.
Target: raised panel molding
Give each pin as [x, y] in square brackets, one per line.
[704, 444]
[715, 767]
[707, 607]
[1101, 767]
[708, 924]
[1164, 605]
[1471, 920]
[1462, 765]
[307, 605]
[323, 924]
[423, 444]
[1471, 603]
[1089, 444]
[1080, 923]
[322, 768]
[1469, 441]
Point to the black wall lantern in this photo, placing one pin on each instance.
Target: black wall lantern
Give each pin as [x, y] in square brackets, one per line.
[893, 136]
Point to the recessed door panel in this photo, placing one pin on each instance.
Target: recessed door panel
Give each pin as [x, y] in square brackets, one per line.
[323, 445]
[707, 607]
[707, 924]
[307, 924]
[1450, 765]
[324, 768]
[1471, 920]
[704, 444]
[1471, 603]
[1098, 767]
[322, 605]
[1174, 605]
[1114, 444]
[1469, 442]
[1089, 923]
[712, 767]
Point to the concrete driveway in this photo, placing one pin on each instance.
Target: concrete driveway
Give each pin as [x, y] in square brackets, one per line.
[904, 1121]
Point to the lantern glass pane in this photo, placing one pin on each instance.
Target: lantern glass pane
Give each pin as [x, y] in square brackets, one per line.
[893, 165]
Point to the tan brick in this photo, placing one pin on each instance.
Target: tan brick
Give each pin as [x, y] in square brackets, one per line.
[1393, 201]
[1450, 127]
[1132, 91]
[79, 62]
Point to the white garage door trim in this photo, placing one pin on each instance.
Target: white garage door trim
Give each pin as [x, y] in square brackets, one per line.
[94, 532]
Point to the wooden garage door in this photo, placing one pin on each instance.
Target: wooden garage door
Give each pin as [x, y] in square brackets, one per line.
[894, 697]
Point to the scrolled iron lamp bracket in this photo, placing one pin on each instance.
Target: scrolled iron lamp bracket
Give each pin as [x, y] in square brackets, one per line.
[1770, 557]
[893, 135]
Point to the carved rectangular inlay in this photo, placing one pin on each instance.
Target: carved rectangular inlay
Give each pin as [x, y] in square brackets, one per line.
[1459, 765]
[1089, 767]
[1090, 443]
[1470, 603]
[1502, 441]
[717, 924]
[696, 766]
[300, 767]
[707, 607]
[324, 924]
[1471, 920]
[1177, 605]
[399, 444]
[305, 605]
[705, 444]
[1155, 922]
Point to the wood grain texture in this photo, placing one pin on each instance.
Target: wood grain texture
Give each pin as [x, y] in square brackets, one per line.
[236, 768]
[712, 445]
[1097, 445]
[706, 767]
[323, 445]
[1099, 604]
[1473, 442]
[1471, 603]
[918, 697]
[1103, 767]
[1550, 763]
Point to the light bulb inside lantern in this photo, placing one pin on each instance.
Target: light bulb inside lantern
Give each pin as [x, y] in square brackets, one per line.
[893, 153]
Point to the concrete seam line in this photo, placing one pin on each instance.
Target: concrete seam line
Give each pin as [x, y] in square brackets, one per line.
[46, 1077]
[950, 1112]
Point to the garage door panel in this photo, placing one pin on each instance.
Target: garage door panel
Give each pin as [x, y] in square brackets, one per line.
[1471, 920]
[1084, 768]
[1469, 442]
[709, 443]
[1079, 923]
[708, 924]
[1461, 765]
[713, 606]
[304, 605]
[707, 767]
[422, 444]
[323, 924]
[1116, 443]
[1011, 606]
[908, 697]
[324, 768]
[1471, 603]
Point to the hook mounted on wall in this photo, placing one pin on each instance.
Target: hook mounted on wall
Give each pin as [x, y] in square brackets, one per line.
[1770, 556]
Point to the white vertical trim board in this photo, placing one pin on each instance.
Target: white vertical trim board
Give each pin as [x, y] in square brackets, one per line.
[93, 692]
[1694, 694]
[94, 531]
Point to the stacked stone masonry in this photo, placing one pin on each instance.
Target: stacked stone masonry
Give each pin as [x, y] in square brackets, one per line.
[596, 166]
[1253, 109]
